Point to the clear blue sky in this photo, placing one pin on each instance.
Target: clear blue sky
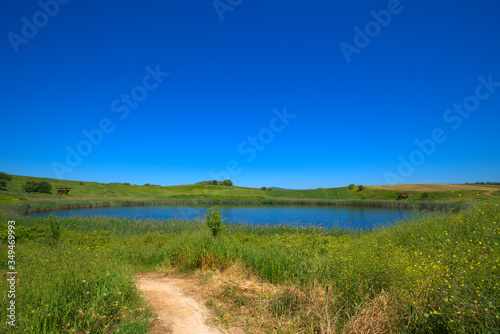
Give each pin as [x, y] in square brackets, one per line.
[292, 94]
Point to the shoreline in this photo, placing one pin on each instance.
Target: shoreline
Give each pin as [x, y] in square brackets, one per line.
[32, 207]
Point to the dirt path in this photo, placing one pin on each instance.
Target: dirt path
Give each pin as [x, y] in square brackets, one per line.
[177, 312]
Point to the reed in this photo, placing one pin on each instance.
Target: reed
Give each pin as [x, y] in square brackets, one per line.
[430, 273]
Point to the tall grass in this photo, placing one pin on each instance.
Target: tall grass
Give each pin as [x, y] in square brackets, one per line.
[435, 272]
[42, 205]
[75, 286]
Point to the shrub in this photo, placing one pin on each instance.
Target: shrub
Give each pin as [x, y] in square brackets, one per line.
[263, 188]
[37, 187]
[43, 187]
[360, 188]
[126, 184]
[3, 185]
[425, 195]
[55, 230]
[227, 183]
[214, 182]
[30, 186]
[5, 176]
[351, 186]
[214, 220]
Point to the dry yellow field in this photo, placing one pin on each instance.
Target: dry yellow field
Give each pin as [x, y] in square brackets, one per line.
[438, 187]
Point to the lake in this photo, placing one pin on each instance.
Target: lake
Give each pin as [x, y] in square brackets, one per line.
[324, 216]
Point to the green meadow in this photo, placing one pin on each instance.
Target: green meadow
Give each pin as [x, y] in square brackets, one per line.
[432, 273]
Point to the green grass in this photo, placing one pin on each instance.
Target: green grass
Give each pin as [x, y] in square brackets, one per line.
[74, 285]
[101, 191]
[440, 273]
[91, 194]
[435, 273]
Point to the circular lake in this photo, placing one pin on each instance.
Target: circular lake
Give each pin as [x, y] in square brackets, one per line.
[324, 216]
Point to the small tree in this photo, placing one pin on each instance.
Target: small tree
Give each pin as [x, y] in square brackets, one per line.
[30, 186]
[263, 188]
[5, 176]
[3, 185]
[227, 183]
[37, 187]
[351, 186]
[214, 182]
[43, 187]
[214, 220]
[360, 188]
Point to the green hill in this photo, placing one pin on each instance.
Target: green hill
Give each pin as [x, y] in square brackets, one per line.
[85, 194]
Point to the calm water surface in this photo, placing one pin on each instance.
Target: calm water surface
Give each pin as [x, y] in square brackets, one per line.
[325, 216]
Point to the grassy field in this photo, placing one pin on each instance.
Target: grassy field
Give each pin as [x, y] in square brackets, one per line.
[91, 194]
[430, 274]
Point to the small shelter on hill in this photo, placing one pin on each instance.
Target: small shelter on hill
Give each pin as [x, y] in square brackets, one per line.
[61, 191]
[402, 196]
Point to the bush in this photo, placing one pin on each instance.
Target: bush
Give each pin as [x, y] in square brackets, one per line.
[55, 230]
[126, 184]
[37, 187]
[227, 183]
[43, 187]
[425, 195]
[214, 182]
[30, 186]
[263, 188]
[3, 185]
[360, 188]
[5, 176]
[351, 186]
[214, 220]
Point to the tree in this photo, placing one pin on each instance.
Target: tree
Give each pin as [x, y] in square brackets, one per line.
[3, 185]
[43, 187]
[5, 176]
[360, 188]
[214, 182]
[263, 188]
[214, 220]
[37, 187]
[351, 186]
[227, 183]
[30, 186]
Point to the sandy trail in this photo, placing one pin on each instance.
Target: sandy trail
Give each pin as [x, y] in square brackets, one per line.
[176, 312]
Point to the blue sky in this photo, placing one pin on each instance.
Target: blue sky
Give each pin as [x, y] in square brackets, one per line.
[291, 94]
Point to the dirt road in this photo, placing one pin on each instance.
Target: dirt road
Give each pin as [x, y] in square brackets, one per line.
[177, 312]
